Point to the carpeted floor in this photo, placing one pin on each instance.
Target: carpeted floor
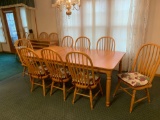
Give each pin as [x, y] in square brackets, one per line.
[9, 65]
[18, 103]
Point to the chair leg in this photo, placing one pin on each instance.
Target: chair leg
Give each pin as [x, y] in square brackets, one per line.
[132, 100]
[147, 92]
[117, 87]
[100, 87]
[32, 83]
[24, 70]
[91, 99]
[51, 88]
[74, 96]
[44, 89]
[64, 92]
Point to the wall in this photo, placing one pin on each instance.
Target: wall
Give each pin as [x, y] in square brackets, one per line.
[153, 28]
[45, 15]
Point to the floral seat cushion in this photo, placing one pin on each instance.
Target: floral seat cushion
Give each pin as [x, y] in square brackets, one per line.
[62, 73]
[82, 80]
[134, 78]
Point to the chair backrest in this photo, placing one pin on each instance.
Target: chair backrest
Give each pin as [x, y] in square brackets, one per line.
[53, 37]
[67, 41]
[43, 36]
[81, 69]
[22, 43]
[106, 43]
[33, 62]
[147, 60]
[82, 42]
[54, 64]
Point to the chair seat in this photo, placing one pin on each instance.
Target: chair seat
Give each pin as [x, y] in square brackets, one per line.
[134, 78]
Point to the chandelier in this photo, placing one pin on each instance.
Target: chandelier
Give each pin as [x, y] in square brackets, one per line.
[67, 4]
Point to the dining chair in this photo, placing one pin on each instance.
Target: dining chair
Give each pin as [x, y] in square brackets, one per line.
[83, 75]
[53, 37]
[37, 71]
[67, 41]
[43, 36]
[57, 70]
[22, 43]
[106, 43]
[82, 43]
[142, 73]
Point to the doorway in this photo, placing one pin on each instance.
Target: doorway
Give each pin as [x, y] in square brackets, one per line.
[11, 25]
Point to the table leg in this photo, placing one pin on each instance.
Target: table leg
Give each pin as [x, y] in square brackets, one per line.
[108, 87]
[120, 66]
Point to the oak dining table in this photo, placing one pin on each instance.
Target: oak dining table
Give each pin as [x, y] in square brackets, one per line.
[103, 61]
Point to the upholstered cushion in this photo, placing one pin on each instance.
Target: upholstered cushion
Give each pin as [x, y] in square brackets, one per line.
[134, 78]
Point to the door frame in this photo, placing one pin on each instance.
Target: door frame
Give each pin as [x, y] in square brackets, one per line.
[8, 10]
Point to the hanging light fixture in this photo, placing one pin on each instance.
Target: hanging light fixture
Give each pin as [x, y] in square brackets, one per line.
[67, 4]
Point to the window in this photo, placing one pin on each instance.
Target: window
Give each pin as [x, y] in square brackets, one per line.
[2, 36]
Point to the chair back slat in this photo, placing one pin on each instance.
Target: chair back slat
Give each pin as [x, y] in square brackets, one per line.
[43, 36]
[106, 43]
[54, 64]
[67, 41]
[22, 43]
[53, 38]
[147, 60]
[34, 63]
[81, 69]
[82, 43]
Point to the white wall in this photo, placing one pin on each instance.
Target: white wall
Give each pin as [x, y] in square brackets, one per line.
[153, 28]
[45, 15]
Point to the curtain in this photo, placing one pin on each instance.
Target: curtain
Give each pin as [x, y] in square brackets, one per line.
[137, 24]
[124, 20]
[20, 30]
[31, 19]
[26, 20]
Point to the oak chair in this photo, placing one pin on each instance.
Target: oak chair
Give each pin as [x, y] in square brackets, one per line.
[56, 67]
[43, 36]
[82, 43]
[106, 43]
[53, 37]
[37, 71]
[22, 43]
[67, 41]
[83, 75]
[142, 73]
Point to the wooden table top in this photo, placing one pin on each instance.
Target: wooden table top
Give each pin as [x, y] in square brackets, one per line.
[101, 59]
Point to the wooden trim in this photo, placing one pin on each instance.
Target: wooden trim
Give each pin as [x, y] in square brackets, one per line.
[36, 24]
[7, 28]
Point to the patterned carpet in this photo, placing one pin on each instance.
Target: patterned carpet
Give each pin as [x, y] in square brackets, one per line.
[18, 103]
